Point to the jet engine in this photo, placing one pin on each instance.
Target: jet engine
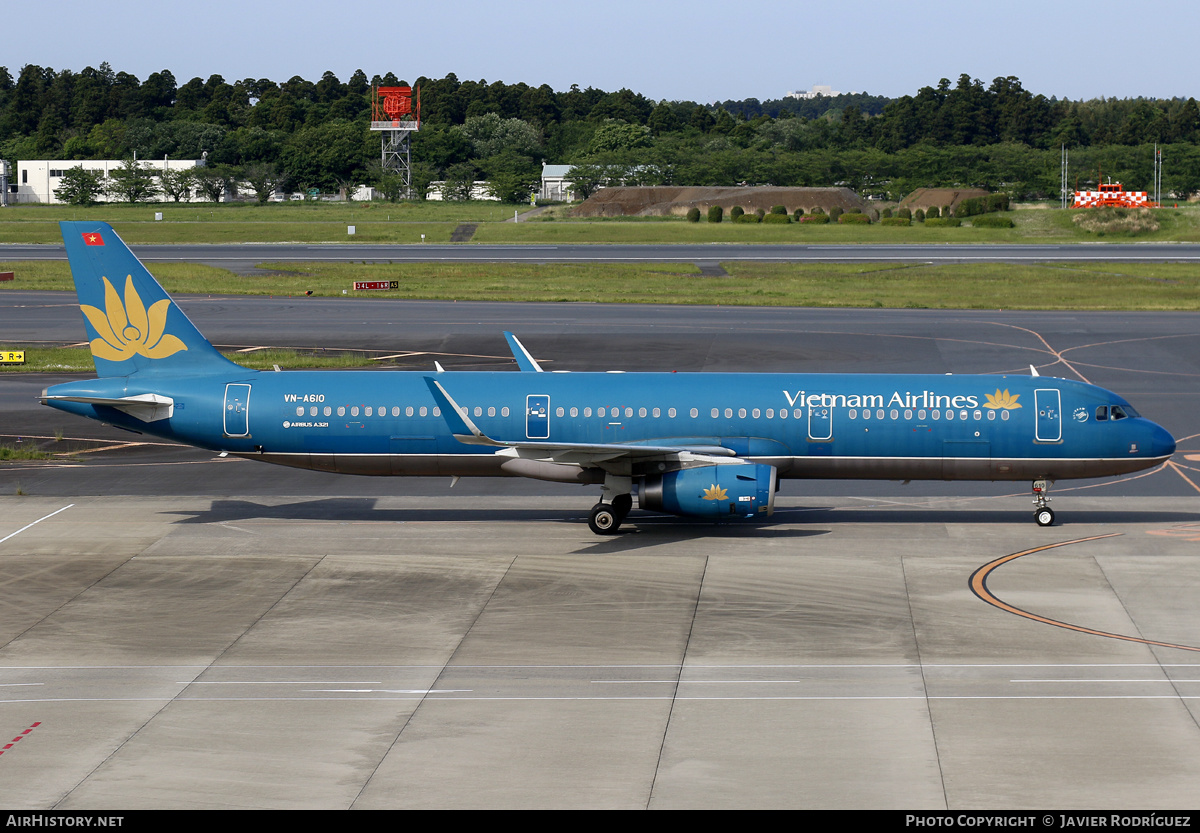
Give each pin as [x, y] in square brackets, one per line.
[716, 491]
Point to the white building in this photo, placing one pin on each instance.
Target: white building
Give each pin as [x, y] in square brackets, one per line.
[555, 186]
[35, 182]
[818, 90]
[480, 190]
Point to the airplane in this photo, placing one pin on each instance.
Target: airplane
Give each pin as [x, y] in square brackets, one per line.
[701, 445]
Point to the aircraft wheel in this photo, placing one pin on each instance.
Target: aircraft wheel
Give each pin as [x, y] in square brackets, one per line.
[604, 520]
[1044, 516]
[622, 504]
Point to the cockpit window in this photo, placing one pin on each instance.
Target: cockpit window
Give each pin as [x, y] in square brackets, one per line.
[1101, 413]
[1118, 412]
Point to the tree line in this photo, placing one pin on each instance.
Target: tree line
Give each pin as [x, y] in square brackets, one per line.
[313, 135]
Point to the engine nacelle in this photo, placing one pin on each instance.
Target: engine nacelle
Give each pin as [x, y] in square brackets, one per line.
[717, 491]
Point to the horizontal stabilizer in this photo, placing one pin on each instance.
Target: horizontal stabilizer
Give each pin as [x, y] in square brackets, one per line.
[148, 407]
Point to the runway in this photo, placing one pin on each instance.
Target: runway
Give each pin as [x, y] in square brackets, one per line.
[246, 256]
[181, 630]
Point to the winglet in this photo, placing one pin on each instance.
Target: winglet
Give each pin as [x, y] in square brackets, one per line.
[1033, 371]
[461, 426]
[526, 362]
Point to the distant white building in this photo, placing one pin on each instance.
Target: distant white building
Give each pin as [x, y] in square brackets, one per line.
[35, 182]
[481, 190]
[818, 90]
[556, 187]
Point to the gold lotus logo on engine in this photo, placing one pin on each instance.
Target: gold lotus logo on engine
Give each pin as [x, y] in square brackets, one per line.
[1002, 399]
[129, 329]
[715, 492]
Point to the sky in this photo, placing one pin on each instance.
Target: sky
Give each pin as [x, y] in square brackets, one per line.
[699, 50]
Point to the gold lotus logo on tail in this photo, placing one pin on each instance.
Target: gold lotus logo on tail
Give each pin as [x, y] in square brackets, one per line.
[715, 492]
[1002, 399]
[129, 329]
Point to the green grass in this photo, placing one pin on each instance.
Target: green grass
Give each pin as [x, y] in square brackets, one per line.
[40, 359]
[247, 223]
[10, 453]
[1073, 286]
[406, 222]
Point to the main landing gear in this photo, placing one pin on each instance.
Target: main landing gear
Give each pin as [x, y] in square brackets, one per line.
[1042, 513]
[615, 502]
[606, 518]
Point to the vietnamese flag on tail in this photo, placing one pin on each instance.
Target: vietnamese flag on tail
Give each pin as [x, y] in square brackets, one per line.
[93, 238]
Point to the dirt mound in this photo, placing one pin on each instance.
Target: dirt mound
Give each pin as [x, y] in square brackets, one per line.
[661, 200]
[940, 197]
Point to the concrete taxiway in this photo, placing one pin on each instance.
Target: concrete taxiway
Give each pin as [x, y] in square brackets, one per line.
[182, 630]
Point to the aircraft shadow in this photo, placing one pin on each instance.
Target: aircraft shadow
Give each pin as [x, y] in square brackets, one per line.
[661, 527]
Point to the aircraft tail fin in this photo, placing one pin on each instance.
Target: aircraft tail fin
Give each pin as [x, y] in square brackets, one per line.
[132, 324]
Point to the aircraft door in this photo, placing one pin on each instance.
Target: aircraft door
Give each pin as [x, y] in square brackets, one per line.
[820, 423]
[537, 417]
[237, 410]
[1049, 415]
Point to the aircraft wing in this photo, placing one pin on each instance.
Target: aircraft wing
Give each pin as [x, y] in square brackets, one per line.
[583, 454]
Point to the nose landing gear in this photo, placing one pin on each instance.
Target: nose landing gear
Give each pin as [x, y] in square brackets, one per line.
[1042, 513]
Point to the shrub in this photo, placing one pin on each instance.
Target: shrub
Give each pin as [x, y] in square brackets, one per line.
[835, 213]
[946, 212]
[693, 215]
[818, 210]
[715, 213]
[777, 218]
[798, 213]
[854, 211]
[905, 213]
[885, 214]
[850, 218]
[735, 212]
[932, 213]
[759, 213]
[949, 222]
[747, 218]
[815, 218]
[894, 221]
[919, 216]
[778, 209]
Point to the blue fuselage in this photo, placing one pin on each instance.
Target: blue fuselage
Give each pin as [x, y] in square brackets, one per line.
[806, 425]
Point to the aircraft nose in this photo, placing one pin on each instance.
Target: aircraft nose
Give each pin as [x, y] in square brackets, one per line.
[1162, 444]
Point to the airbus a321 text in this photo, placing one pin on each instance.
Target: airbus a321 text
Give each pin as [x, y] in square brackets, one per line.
[711, 445]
